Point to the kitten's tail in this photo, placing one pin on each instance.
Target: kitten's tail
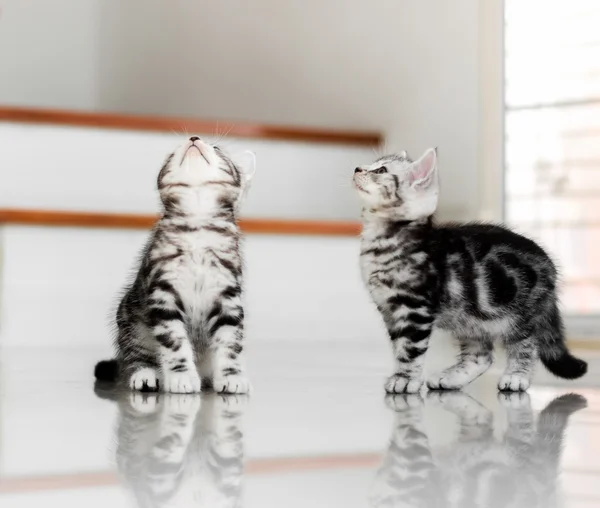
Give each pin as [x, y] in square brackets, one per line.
[562, 363]
[107, 370]
[554, 353]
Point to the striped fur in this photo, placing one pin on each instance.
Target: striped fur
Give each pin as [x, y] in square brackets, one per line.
[519, 469]
[480, 282]
[182, 318]
[174, 450]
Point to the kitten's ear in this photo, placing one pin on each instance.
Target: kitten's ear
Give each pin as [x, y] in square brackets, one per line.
[422, 174]
[249, 171]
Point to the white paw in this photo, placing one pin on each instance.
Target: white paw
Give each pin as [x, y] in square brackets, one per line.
[462, 405]
[145, 379]
[404, 402]
[231, 384]
[513, 383]
[400, 384]
[518, 400]
[144, 403]
[178, 403]
[446, 380]
[182, 382]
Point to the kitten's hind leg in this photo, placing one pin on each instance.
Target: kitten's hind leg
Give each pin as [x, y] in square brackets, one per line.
[476, 356]
[139, 360]
[521, 357]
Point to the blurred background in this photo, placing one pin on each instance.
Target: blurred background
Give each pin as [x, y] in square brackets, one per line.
[95, 93]
[507, 94]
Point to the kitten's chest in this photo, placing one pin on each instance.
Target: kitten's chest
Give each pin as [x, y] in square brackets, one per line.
[200, 278]
[387, 266]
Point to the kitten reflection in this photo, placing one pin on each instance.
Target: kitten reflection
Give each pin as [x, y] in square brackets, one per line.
[519, 470]
[176, 450]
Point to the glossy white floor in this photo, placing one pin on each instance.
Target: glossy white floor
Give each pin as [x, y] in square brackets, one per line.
[316, 432]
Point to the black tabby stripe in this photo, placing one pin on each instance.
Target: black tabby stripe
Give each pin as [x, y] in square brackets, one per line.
[157, 315]
[411, 333]
[231, 292]
[419, 319]
[167, 288]
[224, 320]
[220, 230]
[379, 251]
[410, 301]
[168, 341]
[228, 265]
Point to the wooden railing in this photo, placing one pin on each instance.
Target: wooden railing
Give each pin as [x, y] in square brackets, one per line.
[165, 124]
[187, 125]
[131, 221]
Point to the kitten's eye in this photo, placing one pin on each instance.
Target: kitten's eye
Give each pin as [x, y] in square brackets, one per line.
[380, 171]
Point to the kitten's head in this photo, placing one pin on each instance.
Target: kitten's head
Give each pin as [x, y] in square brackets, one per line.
[200, 179]
[396, 187]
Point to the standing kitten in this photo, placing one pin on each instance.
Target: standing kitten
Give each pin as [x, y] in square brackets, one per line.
[183, 312]
[518, 468]
[482, 282]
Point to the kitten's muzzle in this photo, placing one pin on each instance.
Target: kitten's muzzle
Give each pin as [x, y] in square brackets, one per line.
[196, 142]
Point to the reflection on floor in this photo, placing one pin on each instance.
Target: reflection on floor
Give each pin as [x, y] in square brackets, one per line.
[317, 431]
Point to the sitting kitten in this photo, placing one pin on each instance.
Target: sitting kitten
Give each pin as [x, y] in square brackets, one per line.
[174, 450]
[482, 282]
[183, 312]
[517, 468]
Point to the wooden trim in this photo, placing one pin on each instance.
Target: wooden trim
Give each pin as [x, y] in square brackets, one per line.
[584, 343]
[252, 467]
[188, 125]
[56, 218]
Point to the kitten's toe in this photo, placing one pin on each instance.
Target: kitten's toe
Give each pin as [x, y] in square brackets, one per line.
[144, 380]
[182, 403]
[514, 400]
[404, 402]
[144, 403]
[513, 383]
[444, 381]
[182, 382]
[400, 384]
[231, 384]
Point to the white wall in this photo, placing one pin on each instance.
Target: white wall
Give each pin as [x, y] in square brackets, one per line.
[67, 168]
[60, 286]
[409, 68]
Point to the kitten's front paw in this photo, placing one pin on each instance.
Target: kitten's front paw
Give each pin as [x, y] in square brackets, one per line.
[144, 380]
[400, 384]
[144, 403]
[182, 404]
[513, 383]
[514, 400]
[182, 382]
[445, 381]
[231, 384]
[403, 403]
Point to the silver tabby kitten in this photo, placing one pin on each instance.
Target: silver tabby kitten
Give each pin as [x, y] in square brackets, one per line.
[182, 317]
[481, 282]
[517, 468]
[175, 451]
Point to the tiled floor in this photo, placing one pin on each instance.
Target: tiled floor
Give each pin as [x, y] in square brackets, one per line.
[317, 432]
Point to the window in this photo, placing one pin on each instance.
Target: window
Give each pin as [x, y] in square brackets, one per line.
[552, 137]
